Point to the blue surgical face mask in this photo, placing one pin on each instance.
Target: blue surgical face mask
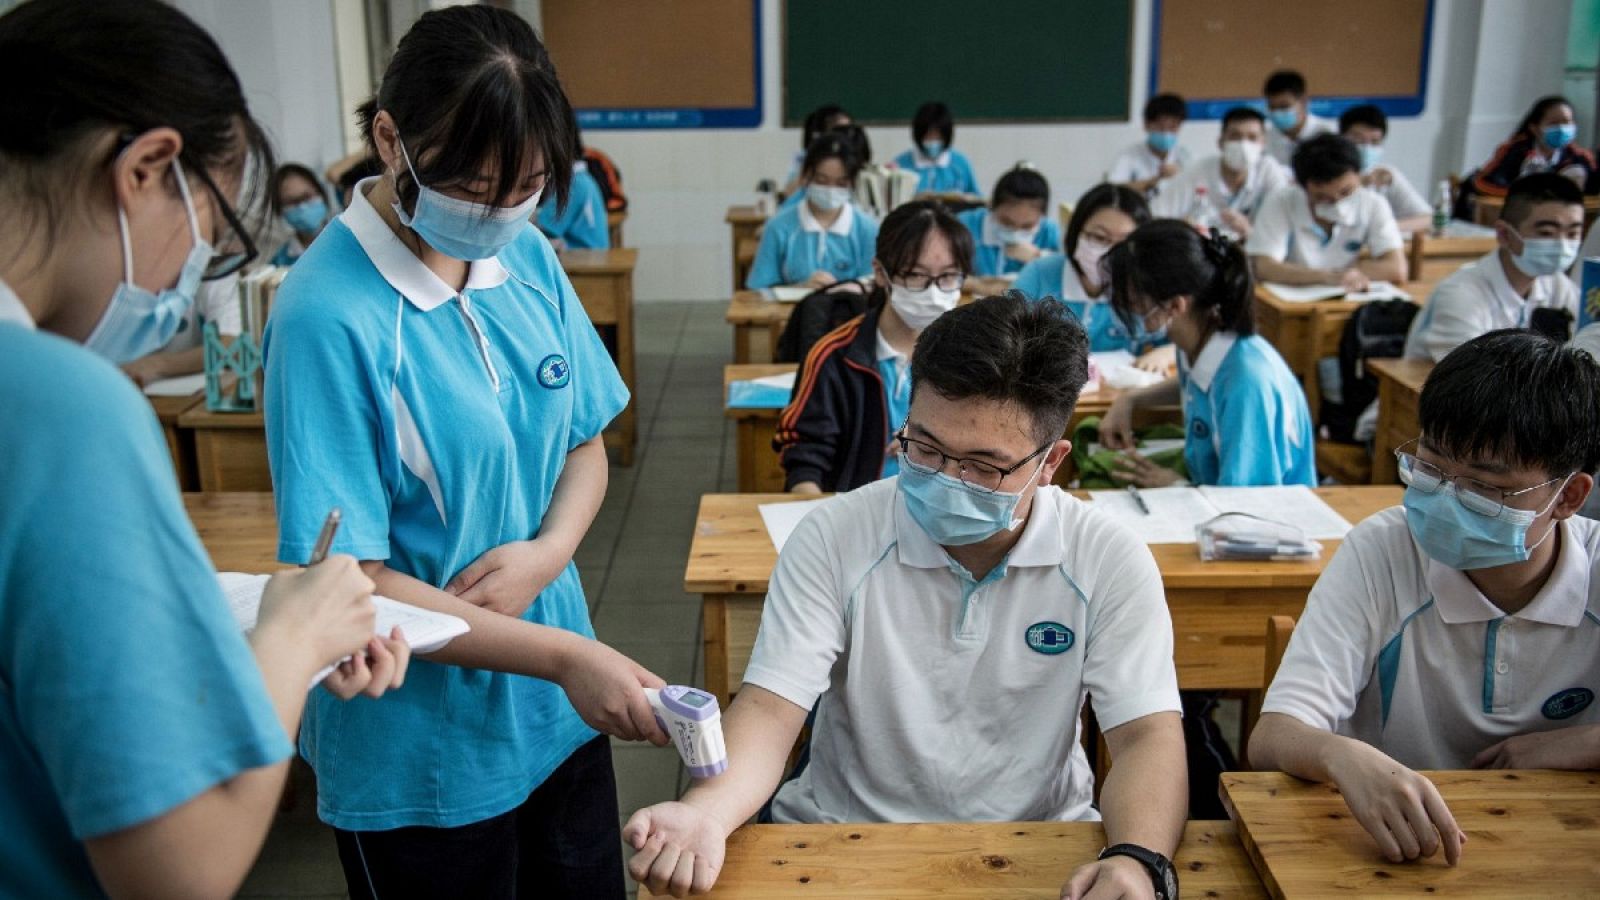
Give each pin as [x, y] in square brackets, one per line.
[138, 322]
[307, 216]
[952, 513]
[1546, 256]
[1284, 119]
[462, 229]
[1009, 236]
[1371, 155]
[1558, 136]
[1457, 537]
[1162, 141]
[932, 149]
[825, 197]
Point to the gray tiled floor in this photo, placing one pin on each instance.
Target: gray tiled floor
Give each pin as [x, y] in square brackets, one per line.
[632, 566]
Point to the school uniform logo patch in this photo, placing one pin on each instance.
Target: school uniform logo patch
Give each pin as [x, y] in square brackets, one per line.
[1050, 638]
[554, 372]
[1352, 246]
[1568, 703]
[1201, 429]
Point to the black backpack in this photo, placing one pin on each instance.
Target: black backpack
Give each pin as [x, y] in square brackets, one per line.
[817, 314]
[1377, 330]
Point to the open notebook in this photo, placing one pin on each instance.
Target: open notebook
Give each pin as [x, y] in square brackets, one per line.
[424, 629]
[1176, 511]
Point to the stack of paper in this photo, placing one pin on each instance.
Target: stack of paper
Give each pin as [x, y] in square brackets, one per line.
[182, 386]
[1176, 511]
[769, 392]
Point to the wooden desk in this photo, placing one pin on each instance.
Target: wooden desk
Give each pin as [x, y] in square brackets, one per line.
[180, 443]
[1219, 609]
[744, 228]
[1530, 834]
[230, 449]
[759, 470]
[757, 322]
[1287, 325]
[239, 530]
[603, 280]
[1488, 209]
[965, 860]
[1399, 390]
[1436, 258]
[614, 220]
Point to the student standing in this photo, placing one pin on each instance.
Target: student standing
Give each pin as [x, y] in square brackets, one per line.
[1289, 111]
[304, 206]
[1366, 126]
[144, 741]
[939, 166]
[823, 239]
[430, 369]
[1145, 166]
[855, 386]
[1235, 181]
[1016, 227]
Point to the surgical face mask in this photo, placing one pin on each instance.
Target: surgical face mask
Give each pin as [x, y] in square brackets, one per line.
[1340, 212]
[1241, 156]
[138, 322]
[1457, 537]
[462, 229]
[1009, 236]
[1088, 256]
[1162, 141]
[1546, 256]
[824, 197]
[952, 513]
[918, 309]
[1284, 119]
[307, 216]
[1371, 155]
[1558, 136]
[932, 149]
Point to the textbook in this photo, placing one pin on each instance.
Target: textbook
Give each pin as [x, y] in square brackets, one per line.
[424, 630]
[1175, 512]
[881, 189]
[767, 392]
[1292, 293]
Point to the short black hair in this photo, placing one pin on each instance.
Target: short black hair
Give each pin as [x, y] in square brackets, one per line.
[290, 170]
[831, 145]
[903, 232]
[1537, 111]
[933, 116]
[1022, 182]
[1167, 259]
[472, 86]
[820, 120]
[1515, 398]
[1243, 114]
[1365, 114]
[857, 138]
[1102, 196]
[1285, 81]
[1324, 158]
[1541, 187]
[1165, 105]
[1009, 349]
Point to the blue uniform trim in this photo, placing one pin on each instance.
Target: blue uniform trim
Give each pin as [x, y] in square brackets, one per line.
[849, 603]
[1587, 614]
[1490, 635]
[1389, 660]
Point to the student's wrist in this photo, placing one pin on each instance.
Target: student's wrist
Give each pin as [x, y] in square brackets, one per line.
[282, 646]
[717, 810]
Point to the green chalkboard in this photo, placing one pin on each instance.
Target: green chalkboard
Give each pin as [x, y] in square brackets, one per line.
[995, 61]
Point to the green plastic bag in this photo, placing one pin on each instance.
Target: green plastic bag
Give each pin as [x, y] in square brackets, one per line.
[1095, 469]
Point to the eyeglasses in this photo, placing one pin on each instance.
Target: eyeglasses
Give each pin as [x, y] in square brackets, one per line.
[234, 249]
[976, 474]
[919, 281]
[1483, 499]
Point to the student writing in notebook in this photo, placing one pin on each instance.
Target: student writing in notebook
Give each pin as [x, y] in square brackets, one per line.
[144, 742]
[1016, 227]
[824, 238]
[1148, 165]
[1232, 183]
[940, 167]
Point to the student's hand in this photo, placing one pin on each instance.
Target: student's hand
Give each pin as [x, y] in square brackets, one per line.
[607, 690]
[1135, 469]
[1354, 281]
[381, 667]
[1116, 426]
[807, 487]
[1168, 169]
[144, 370]
[326, 609]
[1400, 809]
[1380, 178]
[510, 577]
[1023, 253]
[820, 279]
[1236, 222]
[1113, 878]
[1160, 360]
[1575, 748]
[679, 848]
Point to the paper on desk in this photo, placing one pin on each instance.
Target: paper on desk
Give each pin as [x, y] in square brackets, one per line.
[1174, 512]
[1146, 446]
[1304, 293]
[787, 294]
[1293, 505]
[767, 392]
[182, 386]
[424, 629]
[1379, 290]
[782, 519]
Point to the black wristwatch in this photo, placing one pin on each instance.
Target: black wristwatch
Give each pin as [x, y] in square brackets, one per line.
[1162, 874]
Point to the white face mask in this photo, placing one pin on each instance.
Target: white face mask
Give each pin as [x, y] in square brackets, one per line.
[1546, 256]
[1343, 212]
[1240, 156]
[824, 197]
[918, 309]
[1088, 256]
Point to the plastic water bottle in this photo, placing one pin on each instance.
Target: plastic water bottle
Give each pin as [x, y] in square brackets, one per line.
[1201, 214]
[1441, 209]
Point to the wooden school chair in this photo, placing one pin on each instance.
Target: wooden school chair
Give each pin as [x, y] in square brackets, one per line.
[1345, 463]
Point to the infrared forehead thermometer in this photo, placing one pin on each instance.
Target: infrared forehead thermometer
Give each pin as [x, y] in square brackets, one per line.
[694, 721]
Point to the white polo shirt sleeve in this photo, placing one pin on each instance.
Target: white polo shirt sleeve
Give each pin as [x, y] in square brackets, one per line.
[1383, 234]
[803, 626]
[1405, 201]
[1458, 311]
[1273, 229]
[1128, 669]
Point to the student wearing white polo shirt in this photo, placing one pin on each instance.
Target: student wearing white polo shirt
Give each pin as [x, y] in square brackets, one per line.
[1289, 111]
[1315, 232]
[1157, 158]
[1236, 180]
[1520, 283]
[947, 625]
[1462, 630]
[1366, 126]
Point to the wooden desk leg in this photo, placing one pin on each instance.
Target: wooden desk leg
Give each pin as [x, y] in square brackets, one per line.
[1384, 470]
[629, 420]
[746, 448]
[741, 345]
[714, 630]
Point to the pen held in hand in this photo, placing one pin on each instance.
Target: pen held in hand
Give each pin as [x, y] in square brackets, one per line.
[330, 527]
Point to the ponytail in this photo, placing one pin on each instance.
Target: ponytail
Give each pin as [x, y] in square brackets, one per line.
[1166, 259]
[1231, 291]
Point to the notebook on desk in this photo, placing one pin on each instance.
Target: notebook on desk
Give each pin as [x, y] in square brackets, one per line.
[1175, 512]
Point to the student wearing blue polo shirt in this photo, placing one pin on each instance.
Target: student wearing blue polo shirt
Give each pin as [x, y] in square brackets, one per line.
[1016, 227]
[818, 122]
[581, 223]
[144, 741]
[303, 204]
[430, 370]
[940, 167]
[1462, 630]
[825, 238]
[1244, 412]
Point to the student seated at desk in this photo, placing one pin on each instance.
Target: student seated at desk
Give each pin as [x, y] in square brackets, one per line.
[1236, 180]
[303, 204]
[855, 137]
[855, 386]
[940, 167]
[581, 224]
[1145, 165]
[947, 626]
[1463, 630]
[1366, 126]
[823, 239]
[1245, 413]
[184, 353]
[1545, 141]
[818, 122]
[1289, 111]
[1314, 232]
[1521, 284]
[1016, 227]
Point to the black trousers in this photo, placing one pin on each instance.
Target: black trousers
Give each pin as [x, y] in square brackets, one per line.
[563, 841]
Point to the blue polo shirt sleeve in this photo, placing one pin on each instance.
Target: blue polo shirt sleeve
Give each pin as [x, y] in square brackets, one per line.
[1048, 237]
[599, 394]
[127, 688]
[325, 441]
[966, 180]
[1256, 424]
[767, 270]
[1040, 278]
[583, 225]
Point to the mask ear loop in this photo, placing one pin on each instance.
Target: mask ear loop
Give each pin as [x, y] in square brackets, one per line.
[1553, 523]
[188, 202]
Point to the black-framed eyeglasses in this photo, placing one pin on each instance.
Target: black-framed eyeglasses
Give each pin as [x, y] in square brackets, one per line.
[919, 281]
[234, 249]
[974, 473]
[1484, 499]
